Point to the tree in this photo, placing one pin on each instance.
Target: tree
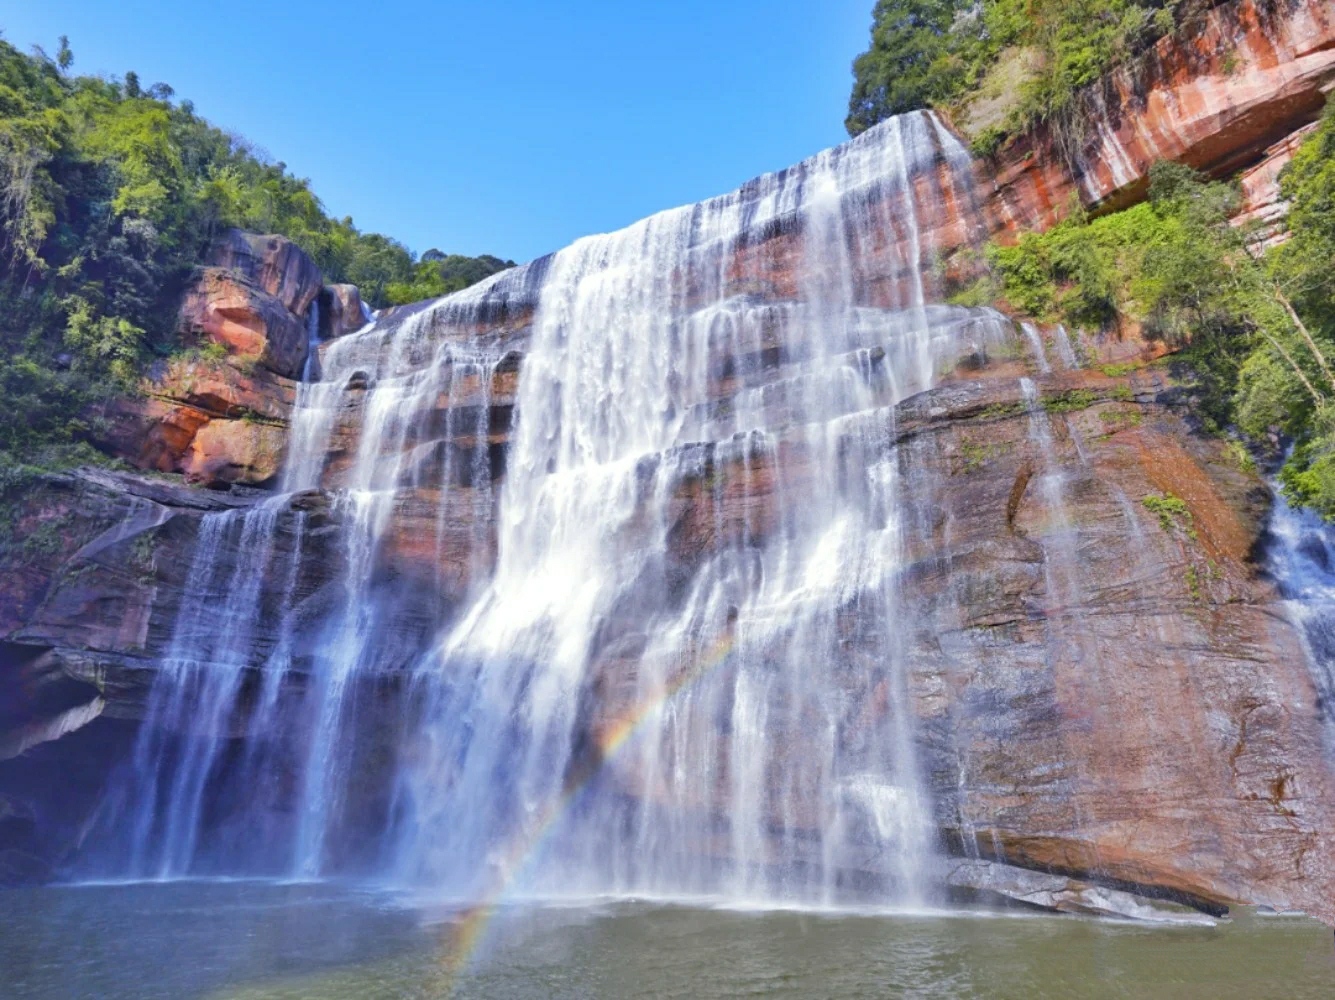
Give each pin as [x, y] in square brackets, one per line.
[909, 64]
[64, 55]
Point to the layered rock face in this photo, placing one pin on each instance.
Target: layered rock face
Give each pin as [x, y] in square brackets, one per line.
[220, 415]
[1072, 644]
[1214, 97]
[715, 556]
[1263, 206]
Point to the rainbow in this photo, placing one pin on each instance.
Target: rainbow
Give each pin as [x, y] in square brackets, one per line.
[469, 930]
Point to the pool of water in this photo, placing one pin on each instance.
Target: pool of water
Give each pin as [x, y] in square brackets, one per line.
[247, 941]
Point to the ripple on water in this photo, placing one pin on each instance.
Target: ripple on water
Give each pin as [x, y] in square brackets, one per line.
[258, 941]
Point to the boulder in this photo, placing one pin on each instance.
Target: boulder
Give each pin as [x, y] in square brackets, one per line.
[149, 434]
[341, 311]
[159, 430]
[222, 389]
[274, 264]
[235, 451]
[251, 323]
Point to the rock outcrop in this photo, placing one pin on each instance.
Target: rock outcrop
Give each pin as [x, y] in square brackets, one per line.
[1215, 96]
[249, 323]
[341, 311]
[1263, 208]
[220, 415]
[92, 576]
[1126, 702]
[209, 419]
[274, 264]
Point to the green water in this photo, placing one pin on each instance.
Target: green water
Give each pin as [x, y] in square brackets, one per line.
[247, 941]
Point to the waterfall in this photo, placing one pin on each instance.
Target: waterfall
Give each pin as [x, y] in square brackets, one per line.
[311, 366]
[1302, 561]
[662, 649]
[580, 710]
[190, 715]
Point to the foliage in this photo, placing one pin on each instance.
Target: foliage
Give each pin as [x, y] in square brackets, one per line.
[1168, 508]
[110, 195]
[1070, 401]
[439, 274]
[1304, 271]
[1177, 268]
[934, 52]
[1256, 336]
[910, 63]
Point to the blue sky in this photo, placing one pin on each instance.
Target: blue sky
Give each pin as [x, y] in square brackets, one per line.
[492, 126]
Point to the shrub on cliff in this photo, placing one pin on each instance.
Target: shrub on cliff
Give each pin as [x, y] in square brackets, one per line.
[1304, 272]
[1256, 336]
[927, 53]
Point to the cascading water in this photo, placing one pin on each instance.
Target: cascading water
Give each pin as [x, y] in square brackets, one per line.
[669, 649]
[1302, 560]
[189, 716]
[391, 456]
[755, 771]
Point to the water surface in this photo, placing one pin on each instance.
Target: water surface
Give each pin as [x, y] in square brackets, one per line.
[254, 941]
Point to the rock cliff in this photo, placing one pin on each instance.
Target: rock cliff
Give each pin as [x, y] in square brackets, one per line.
[1216, 96]
[1105, 690]
[220, 414]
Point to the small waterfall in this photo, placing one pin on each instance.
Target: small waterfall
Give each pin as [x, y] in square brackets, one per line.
[1302, 561]
[192, 708]
[1065, 349]
[311, 367]
[1036, 346]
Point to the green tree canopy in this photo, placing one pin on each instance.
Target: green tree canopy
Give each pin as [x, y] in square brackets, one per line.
[911, 63]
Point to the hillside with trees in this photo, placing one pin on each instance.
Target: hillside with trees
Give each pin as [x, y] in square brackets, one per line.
[111, 192]
[999, 66]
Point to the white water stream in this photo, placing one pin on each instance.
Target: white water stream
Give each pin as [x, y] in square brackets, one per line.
[677, 665]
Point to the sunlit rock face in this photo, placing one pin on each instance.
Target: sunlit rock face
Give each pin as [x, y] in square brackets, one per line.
[1264, 207]
[1250, 73]
[717, 556]
[219, 414]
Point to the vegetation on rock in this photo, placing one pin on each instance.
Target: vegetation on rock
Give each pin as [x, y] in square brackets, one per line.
[1016, 62]
[1257, 336]
[110, 195]
[1169, 509]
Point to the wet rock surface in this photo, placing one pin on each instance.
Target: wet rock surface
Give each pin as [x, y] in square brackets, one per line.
[1102, 695]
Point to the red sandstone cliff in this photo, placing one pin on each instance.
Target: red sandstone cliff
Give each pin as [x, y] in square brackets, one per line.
[1215, 97]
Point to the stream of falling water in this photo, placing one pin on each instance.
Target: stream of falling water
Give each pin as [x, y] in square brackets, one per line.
[684, 671]
[1302, 560]
[756, 774]
[198, 684]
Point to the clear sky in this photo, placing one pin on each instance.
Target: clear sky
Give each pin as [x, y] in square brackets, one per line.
[509, 127]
